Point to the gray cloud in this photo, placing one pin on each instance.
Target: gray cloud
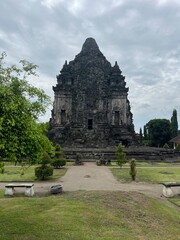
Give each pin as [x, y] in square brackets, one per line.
[143, 36]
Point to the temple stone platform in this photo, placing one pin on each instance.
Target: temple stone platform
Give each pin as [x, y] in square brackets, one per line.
[148, 154]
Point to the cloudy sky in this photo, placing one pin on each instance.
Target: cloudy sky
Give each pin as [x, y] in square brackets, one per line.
[143, 36]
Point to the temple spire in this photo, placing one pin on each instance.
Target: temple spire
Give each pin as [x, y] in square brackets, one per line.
[90, 45]
[116, 68]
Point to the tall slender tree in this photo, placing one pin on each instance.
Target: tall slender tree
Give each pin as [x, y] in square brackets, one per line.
[140, 135]
[174, 124]
[145, 132]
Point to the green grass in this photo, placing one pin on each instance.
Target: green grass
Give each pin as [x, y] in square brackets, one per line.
[175, 201]
[13, 173]
[88, 216]
[151, 175]
[148, 164]
[1, 193]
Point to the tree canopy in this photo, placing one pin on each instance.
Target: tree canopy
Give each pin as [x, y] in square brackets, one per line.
[21, 137]
[158, 132]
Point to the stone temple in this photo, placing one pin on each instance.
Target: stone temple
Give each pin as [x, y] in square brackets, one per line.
[91, 106]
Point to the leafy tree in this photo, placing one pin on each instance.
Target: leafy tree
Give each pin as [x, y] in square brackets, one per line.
[22, 138]
[159, 132]
[120, 156]
[145, 133]
[174, 124]
[145, 141]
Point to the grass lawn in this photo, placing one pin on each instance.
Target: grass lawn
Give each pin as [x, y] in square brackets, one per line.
[147, 164]
[88, 216]
[151, 175]
[176, 201]
[13, 173]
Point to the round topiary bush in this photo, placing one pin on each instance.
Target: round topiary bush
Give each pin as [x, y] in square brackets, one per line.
[43, 172]
[58, 162]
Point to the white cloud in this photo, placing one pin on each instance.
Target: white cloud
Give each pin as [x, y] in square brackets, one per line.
[51, 3]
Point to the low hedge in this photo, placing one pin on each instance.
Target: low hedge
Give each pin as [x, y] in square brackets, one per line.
[58, 162]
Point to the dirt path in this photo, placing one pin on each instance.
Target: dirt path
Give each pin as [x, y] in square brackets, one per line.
[92, 177]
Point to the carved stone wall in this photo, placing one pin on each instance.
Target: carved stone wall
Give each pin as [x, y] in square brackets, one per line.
[91, 106]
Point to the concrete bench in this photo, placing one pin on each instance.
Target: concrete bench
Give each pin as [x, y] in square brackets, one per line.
[29, 190]
[167, 191]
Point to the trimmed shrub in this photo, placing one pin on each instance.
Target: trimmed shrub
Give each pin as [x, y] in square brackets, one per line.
[58, 162]
[45, 159]
[120, 156]
[78, 159]
[132, 170]
[43, 172]
[166, 146]
[58, 151]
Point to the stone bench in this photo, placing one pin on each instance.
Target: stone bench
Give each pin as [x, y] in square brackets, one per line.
[167, 191]
[29, 190]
